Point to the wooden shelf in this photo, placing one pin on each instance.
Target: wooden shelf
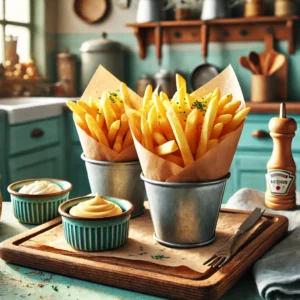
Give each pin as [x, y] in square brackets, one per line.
[218, 30]
[273, 107]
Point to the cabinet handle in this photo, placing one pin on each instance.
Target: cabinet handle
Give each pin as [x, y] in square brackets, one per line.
[260, 134]
[36, 133]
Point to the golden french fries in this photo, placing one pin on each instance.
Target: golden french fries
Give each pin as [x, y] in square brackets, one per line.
[180, 129]
[105, 120]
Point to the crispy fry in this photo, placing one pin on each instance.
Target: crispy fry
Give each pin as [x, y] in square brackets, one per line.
[96, 131]
[180, 83]
[181, 95]
[93, 103]
[212, 143]
[167, 148]
[209, 120]
[191, 129]
[147, 97]
[180, 137]
[217, 93]
[216, 131]
[125, 96]
[160, 109]
[89, 110]
[121, 133]
[113, 130]
[231, 107]
[190, 99]
[166, 104]
[152, 119]
[236, 120]
[146, 134]
[163, 96]
[76, 109]
[81, 123]
[108, 112]
[128, 140]
[225, 119]
[174, 159]
[159, 138]
[100, 119]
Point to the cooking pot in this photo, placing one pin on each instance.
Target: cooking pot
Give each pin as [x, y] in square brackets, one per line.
[150, 11]
[213, 9]
[105, 52]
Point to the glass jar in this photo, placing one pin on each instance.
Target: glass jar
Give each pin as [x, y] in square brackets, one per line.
[285, 8]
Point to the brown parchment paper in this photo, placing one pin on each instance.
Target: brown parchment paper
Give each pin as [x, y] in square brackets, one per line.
[215, 163]
[103, 81]
[141, 246]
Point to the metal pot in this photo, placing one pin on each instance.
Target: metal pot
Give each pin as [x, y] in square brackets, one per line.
[213, 9]
[150, 11]
[102, 51]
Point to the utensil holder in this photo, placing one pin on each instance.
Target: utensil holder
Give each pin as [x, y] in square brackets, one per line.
[117, 179]
[185, 214]
[262, 88]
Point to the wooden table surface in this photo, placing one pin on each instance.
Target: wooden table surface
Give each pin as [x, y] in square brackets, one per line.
[18, 282]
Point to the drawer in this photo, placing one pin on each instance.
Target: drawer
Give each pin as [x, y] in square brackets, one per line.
[29, 136]
[251, 141]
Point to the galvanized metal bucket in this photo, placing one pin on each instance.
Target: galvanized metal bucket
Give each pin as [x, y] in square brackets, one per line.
[185, 214]
[117, 179]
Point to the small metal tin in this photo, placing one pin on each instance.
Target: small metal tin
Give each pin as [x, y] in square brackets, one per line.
[117, 179]
[185, 214]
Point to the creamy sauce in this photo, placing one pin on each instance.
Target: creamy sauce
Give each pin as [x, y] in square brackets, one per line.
[40, 187]
[95, 208]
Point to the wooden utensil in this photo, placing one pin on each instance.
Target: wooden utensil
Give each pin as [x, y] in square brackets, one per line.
[278, 62]
[244, 62]
[254, 58]
[281, 75]
[90, 11]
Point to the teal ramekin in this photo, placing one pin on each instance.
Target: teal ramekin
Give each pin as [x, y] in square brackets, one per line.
[100, 234]
[37, 209]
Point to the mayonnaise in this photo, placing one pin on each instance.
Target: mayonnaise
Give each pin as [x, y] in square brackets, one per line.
[95, 208]
[40, 187]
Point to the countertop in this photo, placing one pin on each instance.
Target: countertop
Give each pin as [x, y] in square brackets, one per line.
[18, 282]
[273, 107]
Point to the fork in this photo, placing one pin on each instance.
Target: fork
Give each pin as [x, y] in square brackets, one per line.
[224, 254]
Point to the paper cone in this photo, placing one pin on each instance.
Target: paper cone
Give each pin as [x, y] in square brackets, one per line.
[103, 81]
[216, 162]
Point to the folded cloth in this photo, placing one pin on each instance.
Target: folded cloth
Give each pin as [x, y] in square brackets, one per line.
[277, 273]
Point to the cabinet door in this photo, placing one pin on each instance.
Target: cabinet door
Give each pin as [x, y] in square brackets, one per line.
[77, 173]
[249, 171]
[40, 164]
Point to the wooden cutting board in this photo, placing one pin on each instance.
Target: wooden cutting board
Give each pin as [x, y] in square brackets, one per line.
[42, 248]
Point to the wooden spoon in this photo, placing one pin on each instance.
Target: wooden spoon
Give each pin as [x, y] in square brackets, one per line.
[244, 62]
[277, 64]
[254, 58]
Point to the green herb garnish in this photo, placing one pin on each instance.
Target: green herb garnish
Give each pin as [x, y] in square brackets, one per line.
[55, 288]
[200, 105]
[159, 256]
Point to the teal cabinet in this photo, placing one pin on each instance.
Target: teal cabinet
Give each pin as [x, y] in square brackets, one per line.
[248, 168]
[47, 163]
[76, 171]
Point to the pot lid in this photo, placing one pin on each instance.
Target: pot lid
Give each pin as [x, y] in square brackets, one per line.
[101, 45]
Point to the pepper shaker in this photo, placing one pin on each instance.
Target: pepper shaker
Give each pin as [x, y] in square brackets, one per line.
[281, 176]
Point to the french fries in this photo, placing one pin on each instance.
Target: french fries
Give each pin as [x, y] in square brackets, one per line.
[180, 129]
[104, 119]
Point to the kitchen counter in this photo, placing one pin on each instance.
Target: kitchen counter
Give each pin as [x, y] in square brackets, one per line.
[18, 282]
[273, 107]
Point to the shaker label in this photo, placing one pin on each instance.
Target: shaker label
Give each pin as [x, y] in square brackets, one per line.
[279, 181]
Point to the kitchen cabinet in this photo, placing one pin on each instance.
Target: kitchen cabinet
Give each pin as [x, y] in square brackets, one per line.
[248, 168]
[76, 171]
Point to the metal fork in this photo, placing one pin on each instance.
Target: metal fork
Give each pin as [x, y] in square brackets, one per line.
[224, 254]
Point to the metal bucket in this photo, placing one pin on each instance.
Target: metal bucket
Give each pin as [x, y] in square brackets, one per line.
[185, 214]
[117, 179]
